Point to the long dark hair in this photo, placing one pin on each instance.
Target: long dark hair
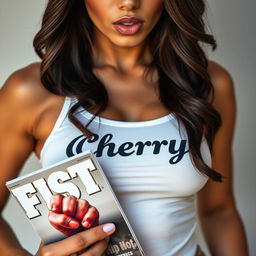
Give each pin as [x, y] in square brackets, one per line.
[64, 44]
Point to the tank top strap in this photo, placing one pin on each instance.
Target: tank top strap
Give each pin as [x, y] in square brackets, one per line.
[63, 113]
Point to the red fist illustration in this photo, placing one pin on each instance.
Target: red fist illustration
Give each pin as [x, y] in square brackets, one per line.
[71, 215]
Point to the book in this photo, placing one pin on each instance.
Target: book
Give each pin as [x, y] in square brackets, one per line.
[80, 176]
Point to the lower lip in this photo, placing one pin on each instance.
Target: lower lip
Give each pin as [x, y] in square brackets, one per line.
[128, 30]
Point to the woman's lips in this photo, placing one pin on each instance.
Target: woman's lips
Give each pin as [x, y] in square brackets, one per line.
[128, 29]
[126, 18]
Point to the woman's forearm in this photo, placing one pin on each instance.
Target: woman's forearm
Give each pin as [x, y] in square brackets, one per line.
[224, 233]
[9, 245]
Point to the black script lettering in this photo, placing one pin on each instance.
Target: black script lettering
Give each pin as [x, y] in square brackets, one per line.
[141, 146]
[69, 149]
[181, 151]
[158, 145]
[127, 148]
[94, 138]
[79, 147]
[123, 147]
[104, 143]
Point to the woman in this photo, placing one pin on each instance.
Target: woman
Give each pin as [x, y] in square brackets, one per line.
[166, 116]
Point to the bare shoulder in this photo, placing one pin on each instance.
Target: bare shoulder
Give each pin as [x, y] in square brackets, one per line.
[24, 97]
[223, 83]
[24, 85]
[217, 71]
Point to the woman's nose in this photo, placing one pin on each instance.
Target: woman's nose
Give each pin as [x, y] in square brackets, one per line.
[128, 4]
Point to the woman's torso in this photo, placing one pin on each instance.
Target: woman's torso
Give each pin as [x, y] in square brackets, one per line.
[158, 196]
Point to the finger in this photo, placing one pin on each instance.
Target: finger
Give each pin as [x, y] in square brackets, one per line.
[41, 244]
[56, 202]
[79, 241]
[89, 218]
[69, 205]
[95, 222]
[107, 239]
[82, 207]
[57, 219]
[97, 248]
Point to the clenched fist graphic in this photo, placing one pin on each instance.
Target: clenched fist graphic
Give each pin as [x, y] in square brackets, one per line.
[71, 215]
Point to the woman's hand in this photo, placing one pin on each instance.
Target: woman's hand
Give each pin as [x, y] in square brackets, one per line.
[70, 215]
[93, 241]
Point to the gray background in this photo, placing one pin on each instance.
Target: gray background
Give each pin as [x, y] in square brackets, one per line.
[231, 22]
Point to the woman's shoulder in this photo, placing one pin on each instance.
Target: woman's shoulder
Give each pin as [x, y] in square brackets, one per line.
[221, 78]
[24, 88]
[224, 94]
[23, 97]
[24, 85]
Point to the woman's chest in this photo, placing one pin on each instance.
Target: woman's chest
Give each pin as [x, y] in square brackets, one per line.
[135, 159]
[131, 98]
[121, 107]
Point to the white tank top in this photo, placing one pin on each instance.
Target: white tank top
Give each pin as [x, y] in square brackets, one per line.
[150, 170]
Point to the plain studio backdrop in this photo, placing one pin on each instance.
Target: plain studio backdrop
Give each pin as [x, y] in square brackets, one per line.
[232, 22]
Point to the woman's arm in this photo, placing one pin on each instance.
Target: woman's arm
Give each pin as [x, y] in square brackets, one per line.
[221, 224]
[22, 99]
[15, 147]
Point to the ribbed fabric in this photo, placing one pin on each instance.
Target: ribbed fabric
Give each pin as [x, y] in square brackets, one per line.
[149, 168]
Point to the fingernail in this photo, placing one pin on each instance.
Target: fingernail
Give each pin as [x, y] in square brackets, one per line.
[108, 227]
[73, 224]
[86, 224]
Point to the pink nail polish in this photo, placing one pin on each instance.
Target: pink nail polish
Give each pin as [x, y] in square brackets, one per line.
[108, 227]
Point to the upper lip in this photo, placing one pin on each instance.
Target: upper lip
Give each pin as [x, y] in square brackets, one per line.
[133, 19]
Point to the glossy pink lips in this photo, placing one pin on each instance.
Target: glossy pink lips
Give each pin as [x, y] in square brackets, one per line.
[128, 30]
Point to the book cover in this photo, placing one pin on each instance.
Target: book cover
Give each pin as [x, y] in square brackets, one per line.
[80, 176]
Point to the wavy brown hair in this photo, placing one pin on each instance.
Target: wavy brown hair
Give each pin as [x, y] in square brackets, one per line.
[64, 44]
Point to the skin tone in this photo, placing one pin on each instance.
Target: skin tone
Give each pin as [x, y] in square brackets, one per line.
[119, 61]
[122, 53]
